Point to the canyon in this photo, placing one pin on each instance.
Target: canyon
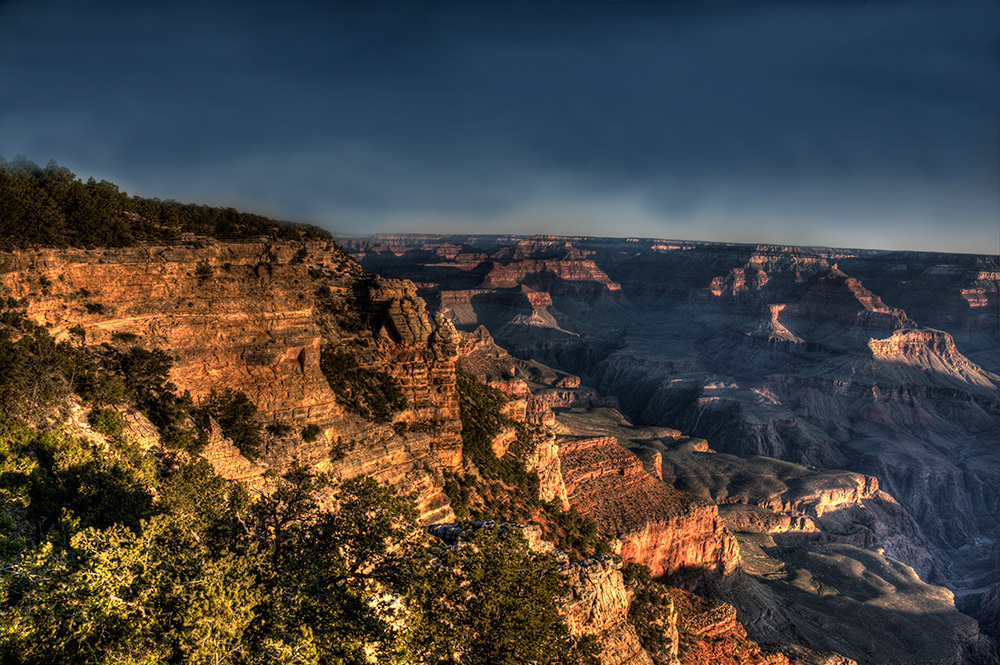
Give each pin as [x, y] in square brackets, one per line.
[840, 408]
[790, 432]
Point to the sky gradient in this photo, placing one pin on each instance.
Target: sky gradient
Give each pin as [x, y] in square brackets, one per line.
[850, 124]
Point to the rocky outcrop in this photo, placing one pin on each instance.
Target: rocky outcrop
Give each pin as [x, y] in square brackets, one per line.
[928, 350]
[712, 634]
[650, 522]
[799, 505]
[546, 463]
[597, 604]
[247, 316]
[227, 460]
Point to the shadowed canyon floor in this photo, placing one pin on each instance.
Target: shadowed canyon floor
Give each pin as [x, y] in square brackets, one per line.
[842, 409]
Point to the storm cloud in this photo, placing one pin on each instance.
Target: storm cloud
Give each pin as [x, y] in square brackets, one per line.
[837, 123]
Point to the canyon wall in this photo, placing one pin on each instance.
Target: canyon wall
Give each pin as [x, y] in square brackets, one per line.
[251, 317]
[671, 532]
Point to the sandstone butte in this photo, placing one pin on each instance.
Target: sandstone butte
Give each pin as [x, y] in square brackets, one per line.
[258, 324]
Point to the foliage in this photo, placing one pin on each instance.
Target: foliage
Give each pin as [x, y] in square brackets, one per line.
[648, 612]
[203, 270]
[107, 421]
[326, 570]
[58, 480]
[459, 492]
[310, 433]
[51, 207]
[35, 371]
[97, 572]
[143, 374]
[481, 412]
[237, 416]
[278, 428]
[127, 337]
[492, 600]
[578, 534]
[509, 491]
[372, 394]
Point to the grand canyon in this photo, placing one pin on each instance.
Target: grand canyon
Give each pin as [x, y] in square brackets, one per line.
[833, 411]
[799, 444]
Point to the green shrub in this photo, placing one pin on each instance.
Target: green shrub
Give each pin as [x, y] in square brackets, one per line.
[310, 433]
[372, 394]
[237, 416]
[340, 448]
[493, 602]
[107, 421]
[648, 612]
[481, 412]
[279, 428]
[203, 270]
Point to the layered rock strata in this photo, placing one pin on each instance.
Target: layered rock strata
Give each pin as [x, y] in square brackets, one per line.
[247, 316]
[671, 532]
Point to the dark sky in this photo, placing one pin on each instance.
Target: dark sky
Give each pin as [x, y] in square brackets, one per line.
[852, 124]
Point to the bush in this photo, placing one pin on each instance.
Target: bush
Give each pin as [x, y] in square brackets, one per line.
[493, 600]
[107, 421]
[649, 612]
[372, 394]
[237, 416]
[203, 271]
[279, 428]
[310, 433]
[126, 337]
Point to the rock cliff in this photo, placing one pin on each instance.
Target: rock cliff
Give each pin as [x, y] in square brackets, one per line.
[672, 533]
[251, 317]
[597, 604]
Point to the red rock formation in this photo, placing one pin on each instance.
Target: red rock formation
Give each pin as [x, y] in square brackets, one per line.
[256, 325]
[597, 604]
[710, 633]
[653, 524]
[549, 272]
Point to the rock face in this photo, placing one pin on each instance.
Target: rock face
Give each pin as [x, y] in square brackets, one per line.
[798, 505]
[597, 604]
[712, 634]
[256, 321]
[653, 524]
[226, 459]
[883, 364]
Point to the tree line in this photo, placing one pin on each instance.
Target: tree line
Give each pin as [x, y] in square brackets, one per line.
[52, 207]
